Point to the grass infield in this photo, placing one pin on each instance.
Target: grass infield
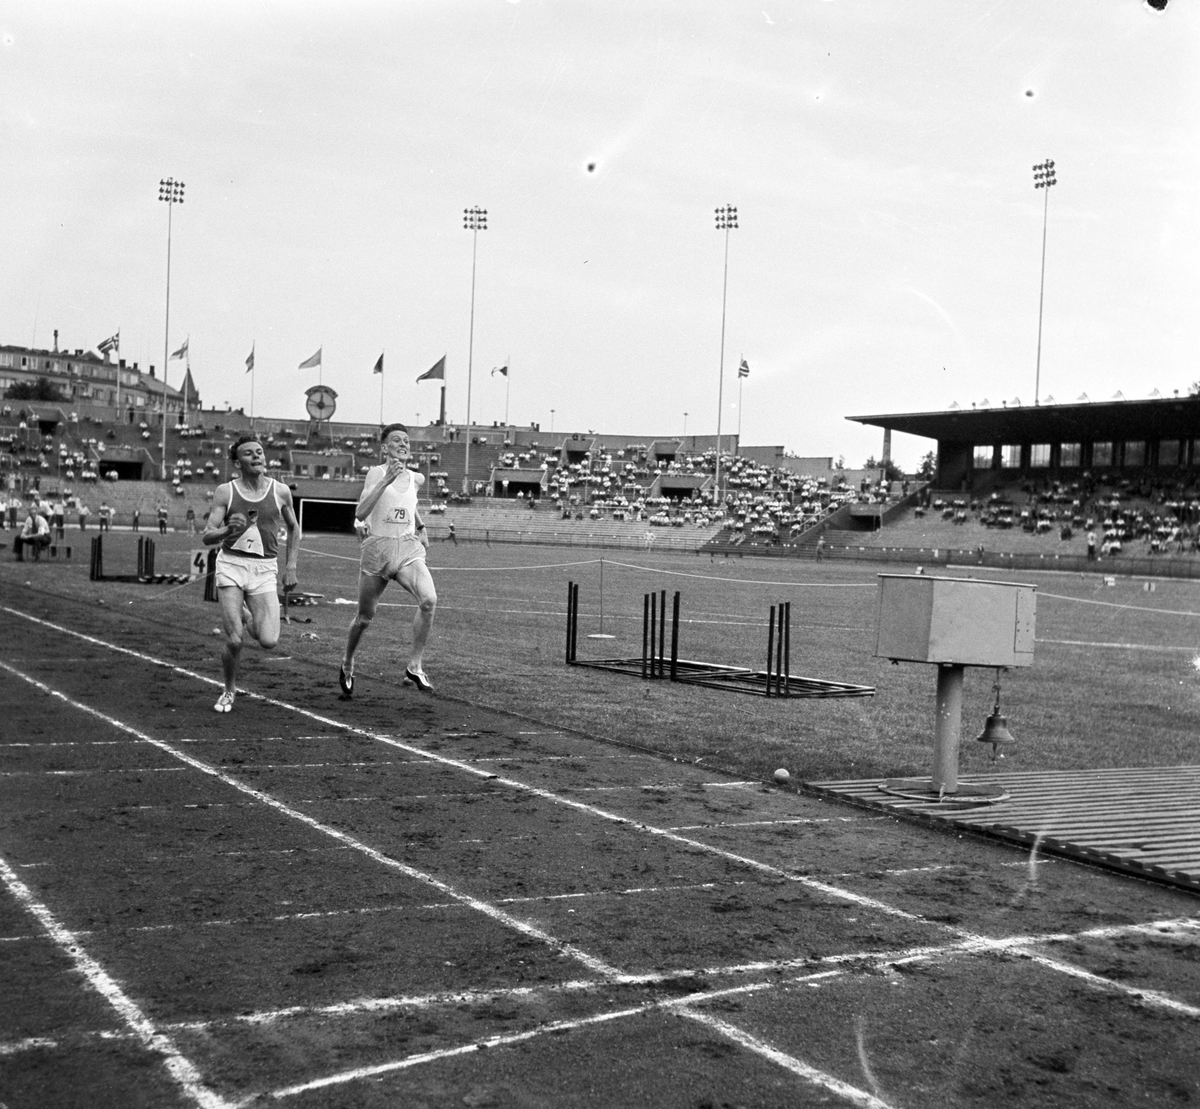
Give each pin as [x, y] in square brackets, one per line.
[1115, 680]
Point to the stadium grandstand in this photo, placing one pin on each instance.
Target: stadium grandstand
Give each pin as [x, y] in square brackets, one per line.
[1033, 484]
[1011, 485]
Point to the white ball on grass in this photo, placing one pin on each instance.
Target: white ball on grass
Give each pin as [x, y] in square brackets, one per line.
[781, 775]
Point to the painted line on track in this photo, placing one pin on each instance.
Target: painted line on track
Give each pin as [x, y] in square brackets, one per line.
[860, 964]
[1153, 998]
[181, 1069]
[493, 912]
[757, 865]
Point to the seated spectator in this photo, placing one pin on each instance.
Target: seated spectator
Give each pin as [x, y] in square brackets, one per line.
[35, 536]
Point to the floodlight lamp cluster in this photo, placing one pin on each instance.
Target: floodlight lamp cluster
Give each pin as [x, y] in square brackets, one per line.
[474, 219]
[726, 218]
[1043, 175]
[171, 191]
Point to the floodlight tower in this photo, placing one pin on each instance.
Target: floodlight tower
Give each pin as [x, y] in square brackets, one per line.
[726, 221]
[170, 192]
[474, 220]
[1043, 178]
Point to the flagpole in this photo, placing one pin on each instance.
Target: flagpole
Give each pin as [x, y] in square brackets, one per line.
[507, 386]
[119, 420]
[381, 391]
[741, 380]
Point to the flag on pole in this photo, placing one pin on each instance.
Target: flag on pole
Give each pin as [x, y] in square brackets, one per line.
[378, 366]
[744, 369]
[182, 351]
[250, 359]
[501, 369]
[113, 342]
[309, 363]
[437, 372]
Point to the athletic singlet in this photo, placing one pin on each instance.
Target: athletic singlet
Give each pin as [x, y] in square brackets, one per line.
[261, 538]
[395, 513]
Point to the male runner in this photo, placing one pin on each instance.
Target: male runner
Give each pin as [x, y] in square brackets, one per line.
[245, 520]
[393, 549]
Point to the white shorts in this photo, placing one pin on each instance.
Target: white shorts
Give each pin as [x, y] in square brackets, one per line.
[385, 557]
[251, 575]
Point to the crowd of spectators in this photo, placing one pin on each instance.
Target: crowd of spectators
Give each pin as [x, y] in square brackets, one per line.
[1115, 514]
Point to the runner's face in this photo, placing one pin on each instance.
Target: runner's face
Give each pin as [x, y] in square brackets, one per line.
[396, 446]
[251, 458]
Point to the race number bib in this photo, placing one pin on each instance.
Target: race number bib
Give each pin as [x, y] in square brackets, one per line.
[397, 516]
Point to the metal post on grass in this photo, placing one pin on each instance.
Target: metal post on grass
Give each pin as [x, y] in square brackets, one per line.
[787, 650]
[948, 729]
[675, 636]
[662, 634]
[645, 630]
[770, 651]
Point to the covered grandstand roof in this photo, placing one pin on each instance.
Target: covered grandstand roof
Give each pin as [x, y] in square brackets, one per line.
[1159, 418]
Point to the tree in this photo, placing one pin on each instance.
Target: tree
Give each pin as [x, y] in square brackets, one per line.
[926, 469]
[42, 389]
[891, 470]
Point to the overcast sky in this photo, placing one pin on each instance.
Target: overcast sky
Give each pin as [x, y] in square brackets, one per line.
[879, 153]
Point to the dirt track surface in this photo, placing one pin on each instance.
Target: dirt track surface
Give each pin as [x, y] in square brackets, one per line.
[411, 901]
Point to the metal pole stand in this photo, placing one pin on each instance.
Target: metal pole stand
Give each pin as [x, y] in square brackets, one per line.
[947, 735]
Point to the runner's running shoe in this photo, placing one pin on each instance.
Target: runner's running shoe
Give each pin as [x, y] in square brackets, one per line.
[417, 678]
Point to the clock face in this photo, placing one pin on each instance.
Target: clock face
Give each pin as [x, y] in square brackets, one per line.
[321, 402]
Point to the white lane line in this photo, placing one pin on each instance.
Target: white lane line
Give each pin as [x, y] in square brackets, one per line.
[548, 795]
[466, 767]
[773, 823]
[178, 1066]
[820, 886]
[853, 964]
[93, 770]
[798, 1067]
[684, 1005]
[74, 743]
[486, 909]
[493, 912]
[1118, 646]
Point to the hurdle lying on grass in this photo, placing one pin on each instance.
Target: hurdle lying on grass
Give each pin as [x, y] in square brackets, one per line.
[775, 681]
[145, 565]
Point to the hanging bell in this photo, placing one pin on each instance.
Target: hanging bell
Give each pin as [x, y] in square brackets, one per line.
[995, 729]
[995, 732]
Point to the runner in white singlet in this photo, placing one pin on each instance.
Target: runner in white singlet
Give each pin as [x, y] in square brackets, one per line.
[393, 549]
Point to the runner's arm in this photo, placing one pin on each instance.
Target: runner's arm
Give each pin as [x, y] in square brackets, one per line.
[217, 529]
[293, 538]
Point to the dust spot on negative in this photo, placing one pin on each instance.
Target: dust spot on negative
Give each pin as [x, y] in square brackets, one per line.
[591, 167]
[1029, 92]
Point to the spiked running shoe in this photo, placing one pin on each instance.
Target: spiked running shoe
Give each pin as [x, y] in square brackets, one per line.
[224, 702]
[417, 678]
[346, 680]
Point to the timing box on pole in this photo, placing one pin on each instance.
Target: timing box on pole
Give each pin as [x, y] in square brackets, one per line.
[955, 621]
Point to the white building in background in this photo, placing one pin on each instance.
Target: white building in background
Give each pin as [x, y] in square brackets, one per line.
[89, 383]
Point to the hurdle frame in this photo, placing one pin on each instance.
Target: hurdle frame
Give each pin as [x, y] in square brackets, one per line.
[653, 665]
